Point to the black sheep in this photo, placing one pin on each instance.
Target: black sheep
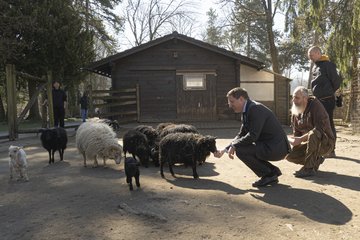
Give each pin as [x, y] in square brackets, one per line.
[132, 170]
[114, 124]
[137, 144]
[164, 129]
[187, 148]
[152, 137]
[174, 128]
[150, 133]
[54, 139]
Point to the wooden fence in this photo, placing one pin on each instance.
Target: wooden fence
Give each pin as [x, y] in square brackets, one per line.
[13, 119]
[121, 105]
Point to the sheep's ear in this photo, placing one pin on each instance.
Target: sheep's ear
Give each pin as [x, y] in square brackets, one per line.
[114, 148]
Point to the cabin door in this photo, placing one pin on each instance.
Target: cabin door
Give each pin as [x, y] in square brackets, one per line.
[196, 96]
[157, 96]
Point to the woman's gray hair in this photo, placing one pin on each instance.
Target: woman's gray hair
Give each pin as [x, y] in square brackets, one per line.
[303, 90]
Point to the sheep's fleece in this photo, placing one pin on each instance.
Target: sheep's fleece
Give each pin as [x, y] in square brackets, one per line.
[96, 138]
[18, 162]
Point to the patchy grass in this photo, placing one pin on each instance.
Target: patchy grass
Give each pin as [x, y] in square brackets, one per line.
[4, 127]
[31, 124]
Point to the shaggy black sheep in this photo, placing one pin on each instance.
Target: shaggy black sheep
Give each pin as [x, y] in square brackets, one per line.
[161, 126]
[54, 139]
[132, 170]
[114, 124]
[137, 144]
[164, 129]
[152, 136]
[187, 148]
[174, 128]
[150, 133]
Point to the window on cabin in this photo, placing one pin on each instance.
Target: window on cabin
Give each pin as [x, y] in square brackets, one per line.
[194, 81]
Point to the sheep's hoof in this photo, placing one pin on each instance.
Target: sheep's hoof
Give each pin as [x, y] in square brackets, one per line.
[95, 166]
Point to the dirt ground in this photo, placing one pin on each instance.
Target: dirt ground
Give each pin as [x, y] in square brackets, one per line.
[67, 201]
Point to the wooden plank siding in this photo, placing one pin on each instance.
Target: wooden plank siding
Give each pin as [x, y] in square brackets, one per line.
[197, 105]
[282, 99]
[161, 98]
[151, 69]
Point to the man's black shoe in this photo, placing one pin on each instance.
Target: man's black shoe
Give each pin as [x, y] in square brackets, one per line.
[264, 181]
[277, 171]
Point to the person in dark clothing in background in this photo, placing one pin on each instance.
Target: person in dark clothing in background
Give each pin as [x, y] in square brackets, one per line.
[326, 81]
[59, 104]
[84, 102]
[261, 138]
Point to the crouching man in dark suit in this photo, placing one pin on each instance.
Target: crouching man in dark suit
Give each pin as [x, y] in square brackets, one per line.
[261, 138]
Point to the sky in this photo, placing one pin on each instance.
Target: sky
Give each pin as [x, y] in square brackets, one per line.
[200, 9]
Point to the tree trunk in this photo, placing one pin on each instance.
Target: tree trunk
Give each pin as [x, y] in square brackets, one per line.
[34, 113]
[2, 111]
[269, 28]
[353, 86]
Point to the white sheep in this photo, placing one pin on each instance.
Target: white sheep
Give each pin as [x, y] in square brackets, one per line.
[18, 162]
[98, 139]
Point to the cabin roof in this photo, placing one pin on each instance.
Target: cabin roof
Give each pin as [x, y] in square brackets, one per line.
[103, 66]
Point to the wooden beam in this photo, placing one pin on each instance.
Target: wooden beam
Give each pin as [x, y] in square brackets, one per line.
[50, 99]
[126, 90]
[31, 102]
[102, 105]
[29, 76]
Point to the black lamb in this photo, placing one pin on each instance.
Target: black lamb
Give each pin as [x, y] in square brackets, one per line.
[132, 170]
[187, 148]
[54, 139]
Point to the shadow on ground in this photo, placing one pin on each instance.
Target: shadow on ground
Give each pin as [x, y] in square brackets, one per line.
[205, 184]
[317, 206]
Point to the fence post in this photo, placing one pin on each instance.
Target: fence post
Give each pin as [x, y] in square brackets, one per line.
[50, 99]
[11, 101]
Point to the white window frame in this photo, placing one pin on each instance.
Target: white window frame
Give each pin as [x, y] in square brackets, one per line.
[187, 77]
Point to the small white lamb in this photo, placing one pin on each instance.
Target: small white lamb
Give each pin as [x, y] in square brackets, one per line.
[18, 162]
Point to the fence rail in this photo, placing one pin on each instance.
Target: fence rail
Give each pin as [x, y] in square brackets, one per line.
[122, 104]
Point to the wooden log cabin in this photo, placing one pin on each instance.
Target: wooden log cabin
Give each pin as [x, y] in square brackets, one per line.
[182, 79]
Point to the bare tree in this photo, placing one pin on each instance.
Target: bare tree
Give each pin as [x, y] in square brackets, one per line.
[150, 19]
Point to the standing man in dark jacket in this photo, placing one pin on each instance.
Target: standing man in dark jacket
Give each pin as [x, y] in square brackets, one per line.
[84, 102]
[261, 138]
[59, 104]
[326, 81]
